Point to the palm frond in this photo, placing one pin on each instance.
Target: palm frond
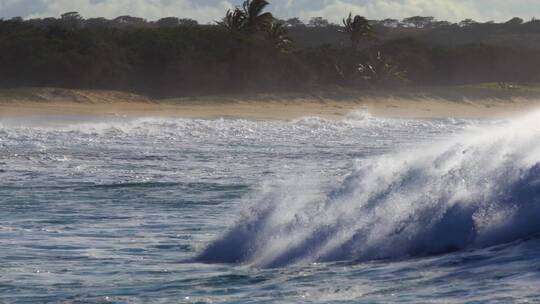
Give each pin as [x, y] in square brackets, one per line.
[277, 34]
[248, 18]
[234, 20]
[358, 28]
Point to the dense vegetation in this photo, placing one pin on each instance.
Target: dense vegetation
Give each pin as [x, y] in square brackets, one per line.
[250, 50]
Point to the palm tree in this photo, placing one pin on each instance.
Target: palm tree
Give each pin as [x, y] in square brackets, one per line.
[234, 20]
[277, 34]
[358, 28]
[250, 18]
[381, 70]
[256, 20]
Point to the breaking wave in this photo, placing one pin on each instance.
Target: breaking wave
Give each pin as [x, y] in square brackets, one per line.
[477, 190]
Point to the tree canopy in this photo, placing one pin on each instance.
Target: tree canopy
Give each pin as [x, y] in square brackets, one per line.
[358, 28]
[251, 50]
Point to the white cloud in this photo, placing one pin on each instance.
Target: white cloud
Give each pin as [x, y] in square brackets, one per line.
[149, 9]
[442, 9]
[335, 10]
[451, 10]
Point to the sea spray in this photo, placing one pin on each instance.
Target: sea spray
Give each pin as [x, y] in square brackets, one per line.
[477, 190]
[90, 203]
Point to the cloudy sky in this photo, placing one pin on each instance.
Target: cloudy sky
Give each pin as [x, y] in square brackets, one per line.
[210, 10]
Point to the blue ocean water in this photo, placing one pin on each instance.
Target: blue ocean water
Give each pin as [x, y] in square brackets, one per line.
[363, 210]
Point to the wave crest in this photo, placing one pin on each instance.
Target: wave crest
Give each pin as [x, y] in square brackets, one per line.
[479, 190]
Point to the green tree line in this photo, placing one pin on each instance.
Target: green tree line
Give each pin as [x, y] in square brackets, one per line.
[251, 50]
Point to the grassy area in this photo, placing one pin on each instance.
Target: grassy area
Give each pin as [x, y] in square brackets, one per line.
[497, 91]
[520, 87]
[25, 94]
[46, 94]
[503, 92]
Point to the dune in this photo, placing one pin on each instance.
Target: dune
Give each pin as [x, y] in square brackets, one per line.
[334, 105]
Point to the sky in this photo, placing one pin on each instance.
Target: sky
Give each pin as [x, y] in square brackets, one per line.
[206, 11]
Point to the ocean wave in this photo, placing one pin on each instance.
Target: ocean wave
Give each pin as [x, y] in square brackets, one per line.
[477, 190]
[225, 128]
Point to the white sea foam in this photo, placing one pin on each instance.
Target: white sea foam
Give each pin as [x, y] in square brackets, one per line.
[479, 189]
[87, 203]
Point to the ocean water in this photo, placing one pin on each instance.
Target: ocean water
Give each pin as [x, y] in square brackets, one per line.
[363, 210]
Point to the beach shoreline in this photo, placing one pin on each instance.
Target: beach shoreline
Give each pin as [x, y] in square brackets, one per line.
[65, 102]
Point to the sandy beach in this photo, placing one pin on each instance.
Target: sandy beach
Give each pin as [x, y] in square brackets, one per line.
[49, 102]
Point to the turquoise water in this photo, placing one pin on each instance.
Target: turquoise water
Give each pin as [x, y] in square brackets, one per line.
[364, 210]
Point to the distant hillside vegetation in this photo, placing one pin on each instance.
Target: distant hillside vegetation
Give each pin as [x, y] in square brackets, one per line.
[250, 50]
